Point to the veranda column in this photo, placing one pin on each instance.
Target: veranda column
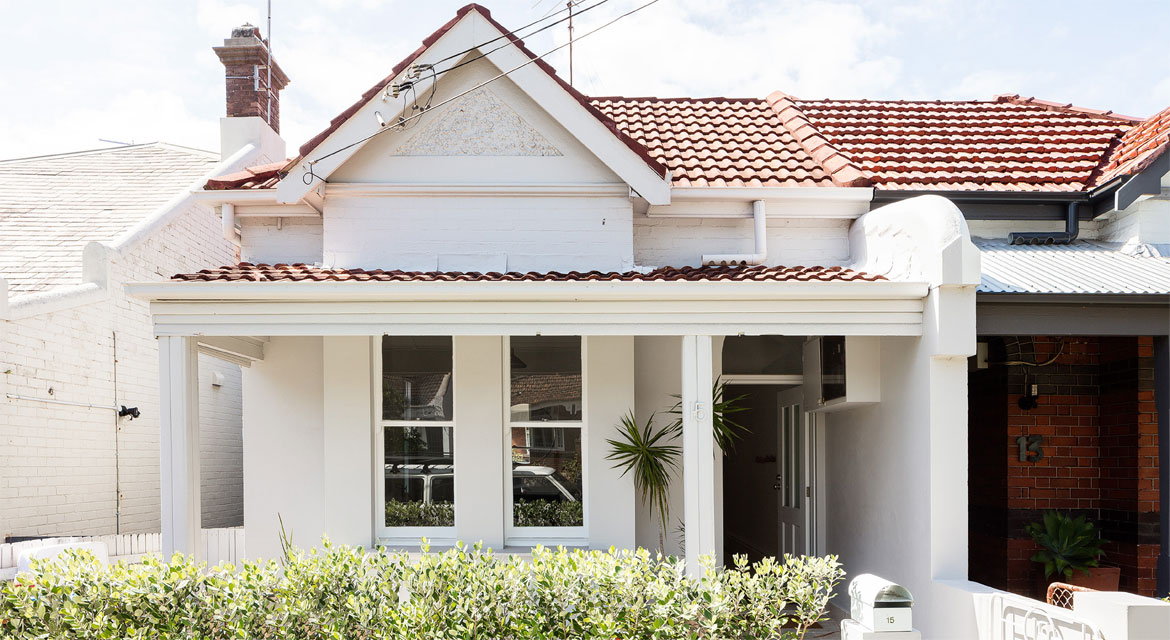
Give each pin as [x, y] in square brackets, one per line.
[178, 359]
[698, 450]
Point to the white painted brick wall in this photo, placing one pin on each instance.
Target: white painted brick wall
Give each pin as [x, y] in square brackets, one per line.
[57, 463]
[1145, 221]
[294, 240]
[479, 234]
[680, 242]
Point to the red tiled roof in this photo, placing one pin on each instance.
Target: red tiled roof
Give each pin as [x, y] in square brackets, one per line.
[730, 142]
[263, 176]
[247, 272]
[1004, 145]
[1011, 143]
[1139, 147]
[316, 140]
[993, 146]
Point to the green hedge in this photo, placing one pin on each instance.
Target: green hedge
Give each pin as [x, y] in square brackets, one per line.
[547, 513]
[418, 514]
[343, 592]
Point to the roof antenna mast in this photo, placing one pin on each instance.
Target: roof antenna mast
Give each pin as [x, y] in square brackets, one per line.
[570, 4]
[269, 112]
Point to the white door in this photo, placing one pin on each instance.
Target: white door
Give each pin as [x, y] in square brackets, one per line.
[794, 490]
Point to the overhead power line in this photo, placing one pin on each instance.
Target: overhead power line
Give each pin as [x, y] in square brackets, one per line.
[310, 176]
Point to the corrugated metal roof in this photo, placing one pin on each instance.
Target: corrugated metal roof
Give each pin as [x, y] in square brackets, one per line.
[1085, 267]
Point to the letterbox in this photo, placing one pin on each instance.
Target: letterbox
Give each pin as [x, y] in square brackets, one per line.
[880, 605]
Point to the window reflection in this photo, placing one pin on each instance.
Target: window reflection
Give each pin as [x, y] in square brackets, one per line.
[419, 476]
[416, 378]
[545, 378]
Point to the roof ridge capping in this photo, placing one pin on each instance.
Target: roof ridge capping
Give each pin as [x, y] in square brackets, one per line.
[842, 170]
[1063, 107]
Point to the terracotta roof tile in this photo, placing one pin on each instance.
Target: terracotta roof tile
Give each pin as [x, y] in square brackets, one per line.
[717, 142]
[1002, 145]
[263, 176]
[1139, 147]
[247, 272]
[1011, 143]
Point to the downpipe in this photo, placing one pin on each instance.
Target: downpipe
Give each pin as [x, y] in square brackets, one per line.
[761, 246]
[1072, 228]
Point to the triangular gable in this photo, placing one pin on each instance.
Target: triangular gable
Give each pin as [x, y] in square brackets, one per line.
[471, 26]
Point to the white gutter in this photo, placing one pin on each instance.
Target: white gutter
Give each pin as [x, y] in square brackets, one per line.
[822, 194]
[751, 259]
[262, 292]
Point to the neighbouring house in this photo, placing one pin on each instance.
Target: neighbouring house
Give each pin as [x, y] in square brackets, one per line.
[454, 292]
[80, 412]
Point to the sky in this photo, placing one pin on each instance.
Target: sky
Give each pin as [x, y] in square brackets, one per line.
[75, 72]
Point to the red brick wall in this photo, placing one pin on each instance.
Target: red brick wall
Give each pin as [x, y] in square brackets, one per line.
[1095, 411]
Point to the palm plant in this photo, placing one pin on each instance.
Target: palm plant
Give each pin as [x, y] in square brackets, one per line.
[653, 458]
[1066, 544]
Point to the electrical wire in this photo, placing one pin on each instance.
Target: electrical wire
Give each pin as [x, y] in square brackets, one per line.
[529, 35]
[310, 175]
[505, 35]
[1022, 363]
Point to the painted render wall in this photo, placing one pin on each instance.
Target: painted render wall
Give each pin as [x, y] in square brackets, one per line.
[883, 504]
[57, 463]
[284, 457]
[657, 382]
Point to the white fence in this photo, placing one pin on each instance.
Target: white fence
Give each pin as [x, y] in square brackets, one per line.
[219, 545]
[1018, 618]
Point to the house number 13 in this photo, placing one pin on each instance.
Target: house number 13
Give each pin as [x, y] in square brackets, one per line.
[1030, 449]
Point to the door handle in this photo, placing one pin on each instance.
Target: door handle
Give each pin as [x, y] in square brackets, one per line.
[778, 486]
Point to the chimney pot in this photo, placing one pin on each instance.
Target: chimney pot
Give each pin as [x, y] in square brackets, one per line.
[246, 31]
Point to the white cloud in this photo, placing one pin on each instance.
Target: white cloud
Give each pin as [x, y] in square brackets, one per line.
[692, 47]
[217, 16]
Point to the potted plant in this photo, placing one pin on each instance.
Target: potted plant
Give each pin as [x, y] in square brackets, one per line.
[1070, 551]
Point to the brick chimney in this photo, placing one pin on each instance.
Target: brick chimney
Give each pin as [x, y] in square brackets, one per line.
[245, 60]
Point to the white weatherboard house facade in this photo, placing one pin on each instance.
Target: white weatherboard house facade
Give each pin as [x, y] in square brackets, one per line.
[74, 348]
[486, 290]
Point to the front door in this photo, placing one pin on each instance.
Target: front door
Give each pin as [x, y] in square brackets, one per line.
[793, 474]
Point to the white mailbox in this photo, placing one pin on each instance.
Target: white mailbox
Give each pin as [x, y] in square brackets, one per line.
[880, 605]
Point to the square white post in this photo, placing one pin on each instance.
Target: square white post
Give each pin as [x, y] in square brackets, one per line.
[178, 359]
[698, 451]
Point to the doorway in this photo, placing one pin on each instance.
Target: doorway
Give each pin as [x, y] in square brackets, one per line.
[769, 492]
[768, 487]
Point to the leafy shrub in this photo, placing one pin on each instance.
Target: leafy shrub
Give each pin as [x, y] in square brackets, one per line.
[547, 513]
[1065, 544]
[345, 592]
[416, 513]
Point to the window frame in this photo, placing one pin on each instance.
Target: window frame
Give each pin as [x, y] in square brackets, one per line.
[407, 536]
[531, 536]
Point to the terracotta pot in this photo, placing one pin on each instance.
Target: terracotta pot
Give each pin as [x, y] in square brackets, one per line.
[1099, 579]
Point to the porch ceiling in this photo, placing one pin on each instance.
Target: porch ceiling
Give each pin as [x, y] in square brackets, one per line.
[535, 307]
